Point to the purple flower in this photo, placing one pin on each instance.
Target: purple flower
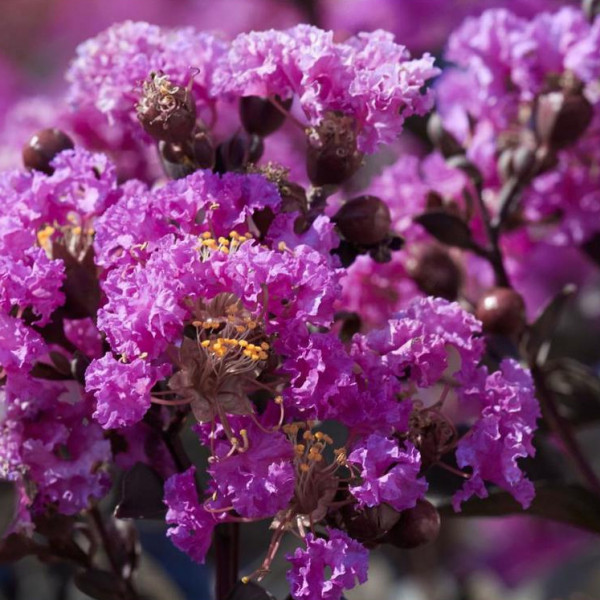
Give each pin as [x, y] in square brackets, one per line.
[501, 435]
[368, 77]
[82, 183]
[259, 481]
[109, 68]
[144, 312]
[417, 341]
[122, 390]
[375, 290]
[344, 558]
[49, 441]
[34, 281]
[571, 190]
[19, 345]
[389, 473]
[320, 372]
[193, 524]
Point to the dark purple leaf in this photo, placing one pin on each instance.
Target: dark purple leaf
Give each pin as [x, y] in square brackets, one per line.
[141, 494]
[541, 331]
[446, 228]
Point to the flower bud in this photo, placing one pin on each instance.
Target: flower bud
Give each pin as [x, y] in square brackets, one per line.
[416, 527]
[369, 525]
[502, 312]
[239, 150]
[441, 138]
[167, 112]
[516, 162]
[175, 162]
[435, 272]
[260, 116]
[42, 147]
[332, 156]
[203, 150]
[364, 221]
[561, 118]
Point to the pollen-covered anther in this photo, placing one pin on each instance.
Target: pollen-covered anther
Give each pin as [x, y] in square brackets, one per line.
[340, 455]
[44, 237]
[221, 244]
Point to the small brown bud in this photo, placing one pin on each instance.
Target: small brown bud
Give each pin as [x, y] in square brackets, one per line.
[332, 156]
[364, 221]
[517, 162]
[416, 527]
[166, 111]
[561, 118]
[260, 116]
[436, 273]
[441, 138]
[502, 312]
[369, 525]
[239, 150]
[42, 147]
[176, 163]
[203, 150]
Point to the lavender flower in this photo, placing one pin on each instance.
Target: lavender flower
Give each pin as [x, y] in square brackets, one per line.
[389, 473]
[346, 559]
[193, 525]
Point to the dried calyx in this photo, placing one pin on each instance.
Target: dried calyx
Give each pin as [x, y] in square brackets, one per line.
[166, 111]
[332, 155]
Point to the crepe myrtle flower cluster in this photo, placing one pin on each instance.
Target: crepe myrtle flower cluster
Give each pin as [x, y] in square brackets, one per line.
[196, 313]
[329, 355]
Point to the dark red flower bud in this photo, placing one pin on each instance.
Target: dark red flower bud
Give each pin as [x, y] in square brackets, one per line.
[517, 162]
[435, 272]
[203, 150]
[441, 138]
[239, 150]
[260, 116]
[42, 147]
[416, 527]
[176, 163]
[332, 156]
[364, 221]
[166, 111]
[369, 525]
[502, 312]
[561, 118]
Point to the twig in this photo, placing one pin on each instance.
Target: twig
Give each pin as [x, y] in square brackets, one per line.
[227, 542]
[562, 429]
[107, 543]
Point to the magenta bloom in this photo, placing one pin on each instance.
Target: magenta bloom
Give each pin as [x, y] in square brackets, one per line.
[109, 68]
[49, 442]
[122, 390]
[19, 345]
[389, 473]
[368, 77]
[259, 481]
[344, 558]
[193, 525]
[502, 434]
